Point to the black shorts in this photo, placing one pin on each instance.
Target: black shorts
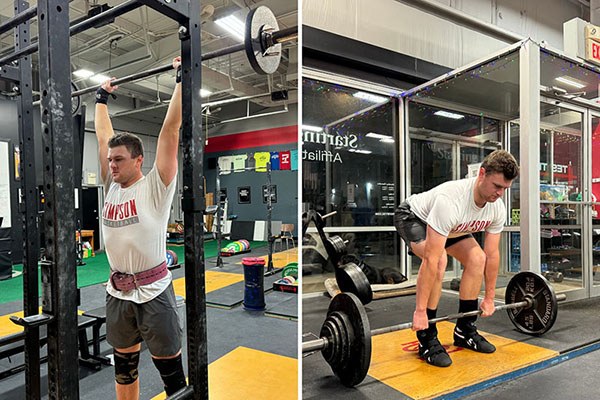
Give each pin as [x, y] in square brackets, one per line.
[156, 322]
[413, 230]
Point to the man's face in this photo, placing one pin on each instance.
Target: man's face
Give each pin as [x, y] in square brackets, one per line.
[492, 186]
[123, 167]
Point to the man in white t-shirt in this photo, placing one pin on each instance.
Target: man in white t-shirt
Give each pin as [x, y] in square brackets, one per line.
[440, 222]
[140, 301]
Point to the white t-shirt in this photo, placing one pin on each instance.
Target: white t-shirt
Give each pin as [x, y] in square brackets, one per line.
[225, 165]
[239, 162]
[451, 211]
[134, 226]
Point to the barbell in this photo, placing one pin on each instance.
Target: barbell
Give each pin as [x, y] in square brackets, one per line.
[262, 44]
[345, 337]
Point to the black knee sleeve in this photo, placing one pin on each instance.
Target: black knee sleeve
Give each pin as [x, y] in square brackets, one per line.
[126, 367]
[465, 306]
[171, 372]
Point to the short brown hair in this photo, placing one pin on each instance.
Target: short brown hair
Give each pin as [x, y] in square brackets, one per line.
[132, 142]
[501, 161]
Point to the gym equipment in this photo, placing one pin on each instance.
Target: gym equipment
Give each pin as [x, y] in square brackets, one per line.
[254, 294]
[345, 338]
[172, 259]
[349, 276]
[238, 247]
[262, 44]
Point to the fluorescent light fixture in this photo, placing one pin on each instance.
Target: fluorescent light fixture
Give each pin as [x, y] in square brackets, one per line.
[83, 73]
[370, 97]
[99, 78]
[361, 151]
[567, 80]
[377, 135]
[448, 114]
[312, 128]
[205, 93]
[382, 138]
[233, 25]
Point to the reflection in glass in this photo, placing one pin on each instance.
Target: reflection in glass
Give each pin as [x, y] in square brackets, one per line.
[348, 154]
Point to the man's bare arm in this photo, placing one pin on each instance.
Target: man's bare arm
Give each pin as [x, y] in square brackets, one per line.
[491, 248]
[104, 130]
[168, 139]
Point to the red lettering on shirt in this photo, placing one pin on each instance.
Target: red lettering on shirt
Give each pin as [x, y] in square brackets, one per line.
[472, 226]
[118, 212]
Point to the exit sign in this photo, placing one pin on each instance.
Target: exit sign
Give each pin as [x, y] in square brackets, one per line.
[592, 51]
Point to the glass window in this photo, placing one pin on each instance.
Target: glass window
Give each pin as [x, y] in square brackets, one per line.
[348, 155]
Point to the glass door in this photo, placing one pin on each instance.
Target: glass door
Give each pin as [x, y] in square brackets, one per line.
[432, 163]
[562, 200]
[595, 203]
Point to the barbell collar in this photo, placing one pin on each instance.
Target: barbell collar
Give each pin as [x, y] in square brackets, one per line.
[315, 345]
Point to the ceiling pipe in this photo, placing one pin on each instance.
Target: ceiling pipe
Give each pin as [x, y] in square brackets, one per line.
[460, 18]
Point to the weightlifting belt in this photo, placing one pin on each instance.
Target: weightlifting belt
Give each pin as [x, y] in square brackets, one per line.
[124, 282]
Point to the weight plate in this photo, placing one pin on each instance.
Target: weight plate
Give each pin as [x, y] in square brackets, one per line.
[171, 258]
[539, 318]
[338, 247]
[75, 101]
[351, 279]
[337, 330]
[263, 59]
[358, 357]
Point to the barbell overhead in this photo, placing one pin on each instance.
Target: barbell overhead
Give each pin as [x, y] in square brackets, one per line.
[345, 338]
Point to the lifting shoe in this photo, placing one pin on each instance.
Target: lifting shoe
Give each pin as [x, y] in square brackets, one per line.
[434, 353]
[471, 339]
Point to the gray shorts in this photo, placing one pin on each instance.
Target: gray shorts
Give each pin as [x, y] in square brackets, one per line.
[412, 229]
[155, 322]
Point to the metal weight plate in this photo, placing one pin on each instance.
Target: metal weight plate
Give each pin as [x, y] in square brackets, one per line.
[353, 371]
[338, 245]
[351, 279]
[539, 318]
[263, 59]
[337, 329]
[75, 101]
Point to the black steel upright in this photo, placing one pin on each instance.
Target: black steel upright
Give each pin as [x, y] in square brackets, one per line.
[193, 203]
[270, 237]
[59, 296]
[219, 216]
[28, 207]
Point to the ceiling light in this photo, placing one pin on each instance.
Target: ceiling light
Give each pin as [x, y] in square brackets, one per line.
[377, 135]
[567, 80]
[205, 93]
[83, 73]
[389, 140]
[233, 25]
[312, 128]
[363, 151]
[448, 114]
[370, 97]
[99, 78]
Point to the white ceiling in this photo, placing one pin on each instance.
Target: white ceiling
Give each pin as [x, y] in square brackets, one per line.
[144, 39]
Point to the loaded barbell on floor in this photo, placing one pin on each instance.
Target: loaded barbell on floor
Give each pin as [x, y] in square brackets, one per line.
[345, 337]
[262, 44]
